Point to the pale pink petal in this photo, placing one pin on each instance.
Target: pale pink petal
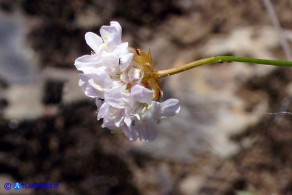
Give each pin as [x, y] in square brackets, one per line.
[128, 121]
[169, 108]
[146, 130]
[113, 119]
[141, 94]
[103, 110]
[111, 61]
[132, 136]
[112, 33]
[85, 61]
[125, 60]
[98, 102]
[153, 112]
[93, 40]
[95, 84]
[116, 97]
[121, 49]
[119, 118]
[86, 87]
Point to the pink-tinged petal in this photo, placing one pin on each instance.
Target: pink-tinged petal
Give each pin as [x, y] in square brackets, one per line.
[117, 26]
[110, 61]
[116, 97]
[169, 108]
[131, 135]
[90, 70]
[93, 40]
[100, 78]
[112, 34]
[86, 87]
[141, 94]
[121, 49]
[103, 110]
[125, 60]
[98, 102]
[128, 121]
[119, 118]
[146, 130]
[95, 83]
[85, 61]
[93, 72]
[153, 112]
[114, 119]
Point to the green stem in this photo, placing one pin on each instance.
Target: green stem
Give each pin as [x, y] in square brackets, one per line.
[220, 59]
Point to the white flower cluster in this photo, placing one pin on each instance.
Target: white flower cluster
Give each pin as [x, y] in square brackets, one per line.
[110, 76]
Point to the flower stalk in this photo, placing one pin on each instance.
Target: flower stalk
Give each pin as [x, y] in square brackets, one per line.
[220, 59]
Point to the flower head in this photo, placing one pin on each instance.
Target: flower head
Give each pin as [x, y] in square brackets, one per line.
[123, 82]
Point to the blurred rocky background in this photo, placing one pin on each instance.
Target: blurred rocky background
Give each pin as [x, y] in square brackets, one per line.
[232, 136]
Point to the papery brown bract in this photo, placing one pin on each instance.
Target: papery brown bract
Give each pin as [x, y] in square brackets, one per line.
[145, 64]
